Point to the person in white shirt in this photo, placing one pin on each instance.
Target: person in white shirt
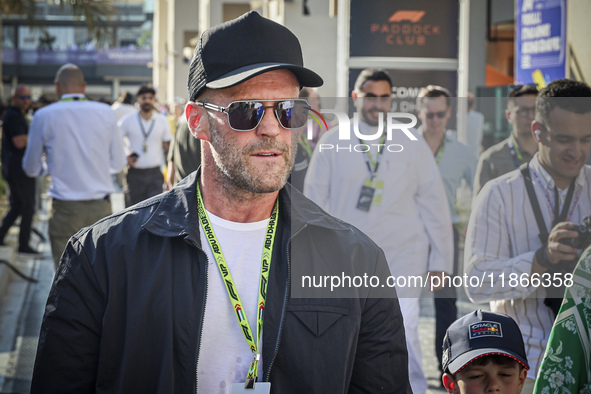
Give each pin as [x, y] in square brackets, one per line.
[123, 105]
[81, 144]
[518, 255]
[147, 135]
[406, 212]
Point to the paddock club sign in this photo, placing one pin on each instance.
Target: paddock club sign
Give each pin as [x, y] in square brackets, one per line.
[404, 28]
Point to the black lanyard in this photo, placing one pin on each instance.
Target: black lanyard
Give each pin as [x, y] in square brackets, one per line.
[371, 166]
[536, 206]
[569, 198]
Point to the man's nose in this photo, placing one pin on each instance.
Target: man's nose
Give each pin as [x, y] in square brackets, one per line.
[269, 125]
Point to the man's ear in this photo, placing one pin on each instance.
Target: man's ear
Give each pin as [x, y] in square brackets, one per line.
[450, 383]
[536, 130]
[197, 121]
[354, 96]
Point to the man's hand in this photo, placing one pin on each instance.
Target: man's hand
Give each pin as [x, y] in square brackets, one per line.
[132, 159]
[556, 251]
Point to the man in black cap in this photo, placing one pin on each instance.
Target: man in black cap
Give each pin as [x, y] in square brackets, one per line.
[159, 297]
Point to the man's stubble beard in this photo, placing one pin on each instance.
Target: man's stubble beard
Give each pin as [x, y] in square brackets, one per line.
[367, 119]
[233, 165]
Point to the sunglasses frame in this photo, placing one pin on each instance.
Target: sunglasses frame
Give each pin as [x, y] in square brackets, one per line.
[225, 110]
[431, 115]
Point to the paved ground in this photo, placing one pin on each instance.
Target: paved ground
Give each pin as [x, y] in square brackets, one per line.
[427, 337]
[30, 299]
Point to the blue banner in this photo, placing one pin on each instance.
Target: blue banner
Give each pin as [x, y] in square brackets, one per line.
[540, 41]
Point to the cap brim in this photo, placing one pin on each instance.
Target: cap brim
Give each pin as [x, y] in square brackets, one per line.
[305, 76]
[464, 359]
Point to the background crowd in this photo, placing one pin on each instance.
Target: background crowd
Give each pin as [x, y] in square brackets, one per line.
[529, 192]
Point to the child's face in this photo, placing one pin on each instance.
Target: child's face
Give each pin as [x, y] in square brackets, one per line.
[478, 379]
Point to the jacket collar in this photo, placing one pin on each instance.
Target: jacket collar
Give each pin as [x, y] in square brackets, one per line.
[176, 212]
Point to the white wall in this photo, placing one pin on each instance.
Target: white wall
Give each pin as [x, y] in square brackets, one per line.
[159, 44]
[183, 17]
[478, 32]
[317, 33]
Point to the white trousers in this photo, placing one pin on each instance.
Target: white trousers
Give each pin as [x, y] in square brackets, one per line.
[410, 312]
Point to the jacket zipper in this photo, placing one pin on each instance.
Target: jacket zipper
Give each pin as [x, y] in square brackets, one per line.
[202, 317]
[287, 286]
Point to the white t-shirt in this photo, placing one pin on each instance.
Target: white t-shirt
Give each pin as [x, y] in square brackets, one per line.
[133, 136]
[224, 355]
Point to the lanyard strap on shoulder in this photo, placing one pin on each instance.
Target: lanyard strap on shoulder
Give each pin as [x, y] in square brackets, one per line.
[74, 99]
[439, 152]
[515, 152]
[533, 199]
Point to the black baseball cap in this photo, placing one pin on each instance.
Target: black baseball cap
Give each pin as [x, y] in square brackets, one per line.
[234, 51]
[482, 333]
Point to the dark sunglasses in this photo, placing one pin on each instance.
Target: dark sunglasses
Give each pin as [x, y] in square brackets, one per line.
[247, 115]
[440, 114]
[25, 97]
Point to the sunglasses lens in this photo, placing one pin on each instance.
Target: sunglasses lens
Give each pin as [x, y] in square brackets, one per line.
[440, 115]
[245, 115]
[292, 114]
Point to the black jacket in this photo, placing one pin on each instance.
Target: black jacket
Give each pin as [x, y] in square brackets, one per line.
[125, 310]
[14, 124]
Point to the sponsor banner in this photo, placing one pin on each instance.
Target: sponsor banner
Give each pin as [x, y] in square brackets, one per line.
[404, 28]
[79, 57]
[540, 41]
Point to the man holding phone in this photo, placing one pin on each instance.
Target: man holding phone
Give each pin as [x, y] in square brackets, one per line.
[521, 220]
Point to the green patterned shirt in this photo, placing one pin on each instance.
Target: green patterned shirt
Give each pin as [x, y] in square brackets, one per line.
[566, 368]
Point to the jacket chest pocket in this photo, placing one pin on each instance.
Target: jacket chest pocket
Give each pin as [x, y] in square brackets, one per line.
[317, 318]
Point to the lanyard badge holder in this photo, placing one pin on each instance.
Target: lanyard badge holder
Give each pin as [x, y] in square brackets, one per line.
[144, 133]
[252, 341]
[372, 189]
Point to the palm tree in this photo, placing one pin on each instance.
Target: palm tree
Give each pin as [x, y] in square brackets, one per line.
[95, 14]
